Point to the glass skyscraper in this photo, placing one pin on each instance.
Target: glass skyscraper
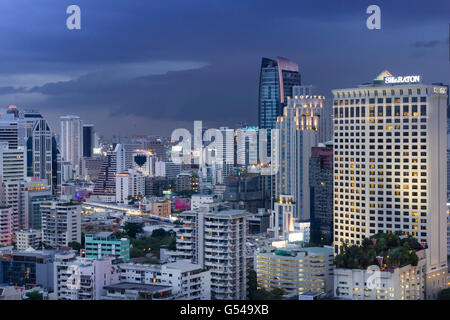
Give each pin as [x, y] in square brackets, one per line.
[277, 77]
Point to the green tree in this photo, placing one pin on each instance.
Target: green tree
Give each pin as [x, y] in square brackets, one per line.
[444, 294]
[133, 228]
[136, 253]
[75, 245]
[159, 233]
[34, 295]
[252, 284]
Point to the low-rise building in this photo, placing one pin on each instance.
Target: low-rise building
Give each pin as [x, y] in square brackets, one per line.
[105, 244]
[161, 208]
[403, 283]
[28, 239]
[78, 278]
[294, 269]
[137, 291]
[188, 281]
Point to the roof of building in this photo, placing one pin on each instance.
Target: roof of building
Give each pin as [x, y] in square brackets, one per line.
[138, 286]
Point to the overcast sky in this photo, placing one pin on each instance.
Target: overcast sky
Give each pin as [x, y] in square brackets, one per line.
[148, 67]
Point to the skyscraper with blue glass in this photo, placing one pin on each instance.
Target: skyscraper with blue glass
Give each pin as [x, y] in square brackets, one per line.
[277, 77]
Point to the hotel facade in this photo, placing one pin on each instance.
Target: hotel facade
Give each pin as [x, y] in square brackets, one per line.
[390, 166]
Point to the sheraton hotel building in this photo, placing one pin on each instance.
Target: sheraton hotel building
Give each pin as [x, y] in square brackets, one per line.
[390, 166]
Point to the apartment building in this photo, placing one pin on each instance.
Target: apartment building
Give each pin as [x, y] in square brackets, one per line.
[188, 281]
[294, 269]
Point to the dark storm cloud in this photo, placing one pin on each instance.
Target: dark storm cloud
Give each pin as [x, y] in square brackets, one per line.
[211, 51]
[425, 44]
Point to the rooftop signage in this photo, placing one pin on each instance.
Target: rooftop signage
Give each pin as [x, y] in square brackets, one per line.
[404, 79]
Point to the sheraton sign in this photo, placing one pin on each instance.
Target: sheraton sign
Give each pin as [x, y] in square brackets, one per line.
[405, 79]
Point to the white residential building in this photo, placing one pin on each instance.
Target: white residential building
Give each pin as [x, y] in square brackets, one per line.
[216, 240]
[78, 278]
[61, 223]
[129, 184]
[6, 225]
[390, 167]
[198, 200]
[28, 239]
[294, 269]
[188, 281]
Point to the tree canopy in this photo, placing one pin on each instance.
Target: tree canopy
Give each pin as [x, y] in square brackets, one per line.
[396, 251]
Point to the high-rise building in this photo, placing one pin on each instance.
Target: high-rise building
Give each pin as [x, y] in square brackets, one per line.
[390, 166]
[41, 140]
[130, 183]
[88, 140]
[325, 125]
[113, 162]
[216, 240]
[61, 223]
[247, 146]
[72, 141]
[298, 133]
[277, 77]
[12, 163]
[33, 192]
[6, 225]
[321, 193]
[12, 128]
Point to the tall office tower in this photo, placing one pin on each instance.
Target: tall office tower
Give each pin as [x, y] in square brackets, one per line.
[216, 240]
[321, 192]
[247, 146]
[56, 168]
[224, 156]
[12, 129]
[61, 223]
[113, 163]
[390, 166]
[297, 133]
[130, 183]
[29, 118]
[282, 220]
[72, 141]
[12, 163]
[88, 140]
[33, 192]
[42, 150]
[277, 77]
[448, 165]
